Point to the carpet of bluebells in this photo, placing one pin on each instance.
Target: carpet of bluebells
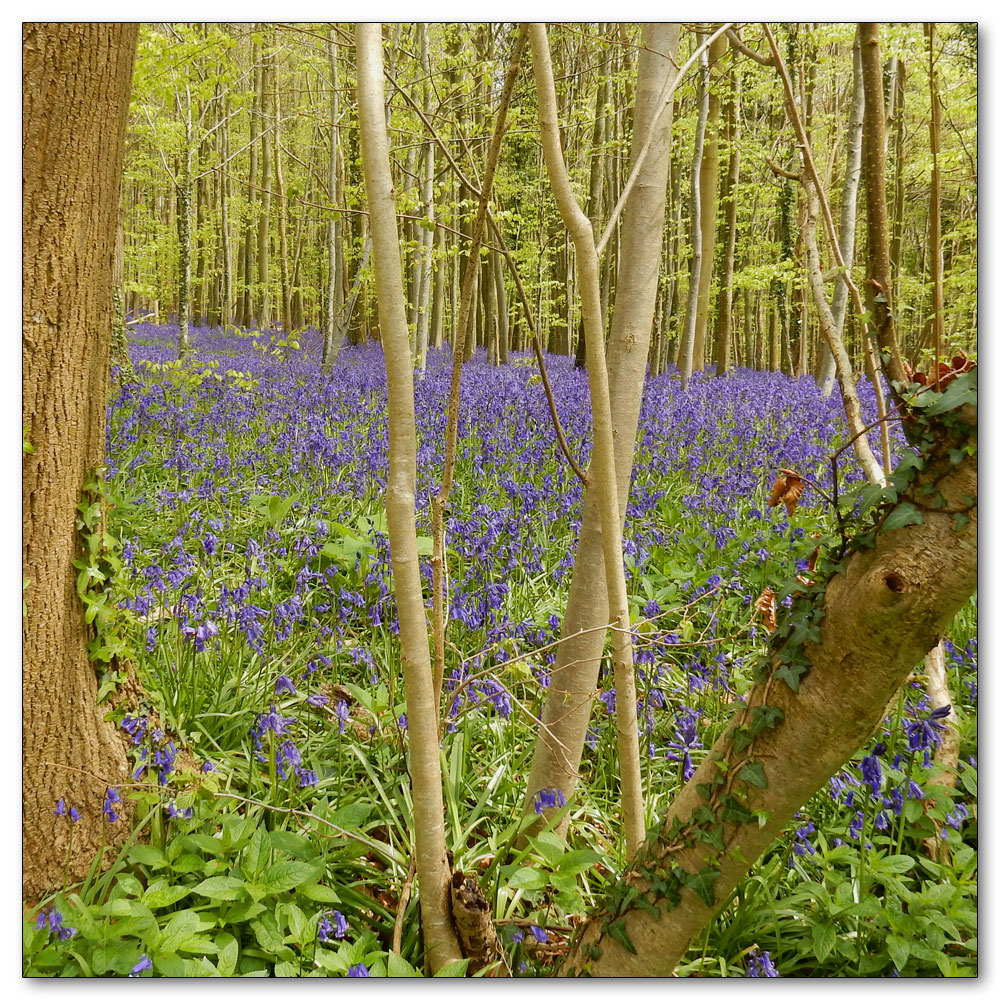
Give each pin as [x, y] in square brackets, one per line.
[256, 600]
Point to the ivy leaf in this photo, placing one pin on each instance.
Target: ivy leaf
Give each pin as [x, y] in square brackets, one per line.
[901, 516]
[753, 773]
[703, 884]
[619, 932]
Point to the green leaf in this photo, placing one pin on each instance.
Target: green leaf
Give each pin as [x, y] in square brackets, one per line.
[549, 845]
[963, 390]
[398, 968]
[286, 875]
[577, 861]
[166, 896]
[256, 854]
[453, 970]
[753, 773]
[318, 892]
[179, 929]
[901, 516]
[824, 937]
[221, 887]
[229, 951]
[528, 878]
[899, 950]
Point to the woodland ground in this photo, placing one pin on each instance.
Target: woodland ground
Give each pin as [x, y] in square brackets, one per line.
[252, 594]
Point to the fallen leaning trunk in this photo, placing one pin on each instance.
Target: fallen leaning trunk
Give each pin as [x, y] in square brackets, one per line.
[883, 608]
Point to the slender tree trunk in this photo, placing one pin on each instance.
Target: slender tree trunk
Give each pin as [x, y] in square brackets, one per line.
[602, 479]
[279, 190]
[937, 263]
[694, 281]
[75, 94]
[335, 288]
[433, 869]
[253, 202]
[879, 267]
[725, 308]
[440, 274]
[827, 370]
[566, 714]
[883, 609]
[503, 320]
[708, 188]
[426, 233]
[184, 191]
[263, 223]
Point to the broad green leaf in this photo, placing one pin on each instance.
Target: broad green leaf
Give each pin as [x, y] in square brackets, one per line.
[575, 862]
[824, 938]
[221, 887]
[398, 968]
[528, 878]
[453, 970]
[286, 875]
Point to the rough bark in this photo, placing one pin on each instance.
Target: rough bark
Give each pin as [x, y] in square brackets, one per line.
[75, 90]
[883, 612]
[566, 714]
[433, 870]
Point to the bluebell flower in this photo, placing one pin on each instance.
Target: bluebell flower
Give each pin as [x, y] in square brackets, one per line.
[549, 798]
[760, 966]
[143, 965]
[359, 971]
[538, 934]
[111, 797]
[284, 685]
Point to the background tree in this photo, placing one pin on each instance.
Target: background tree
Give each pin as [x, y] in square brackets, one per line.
[75, 87]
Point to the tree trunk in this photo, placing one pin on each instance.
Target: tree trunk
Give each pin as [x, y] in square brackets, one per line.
[566, 714]
[709, 193]
[279, 190]
[263, 222]
[879, 266]
[827, 370]
[937, 263]
[694, 280]
[724, 320]
[602, 480]
[75, 93]
[335, 250]
[433, 869]
[883, 608]
[426, 233]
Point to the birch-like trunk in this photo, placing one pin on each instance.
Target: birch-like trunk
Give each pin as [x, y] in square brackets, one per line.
[433, 870]
[566, 714]
[601, 478]
[723, 350]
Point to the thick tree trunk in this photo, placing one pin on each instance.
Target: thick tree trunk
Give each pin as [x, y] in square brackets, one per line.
[279, 190]
[433, 870]
[75, 92]
[559, 747]
[883, 610]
